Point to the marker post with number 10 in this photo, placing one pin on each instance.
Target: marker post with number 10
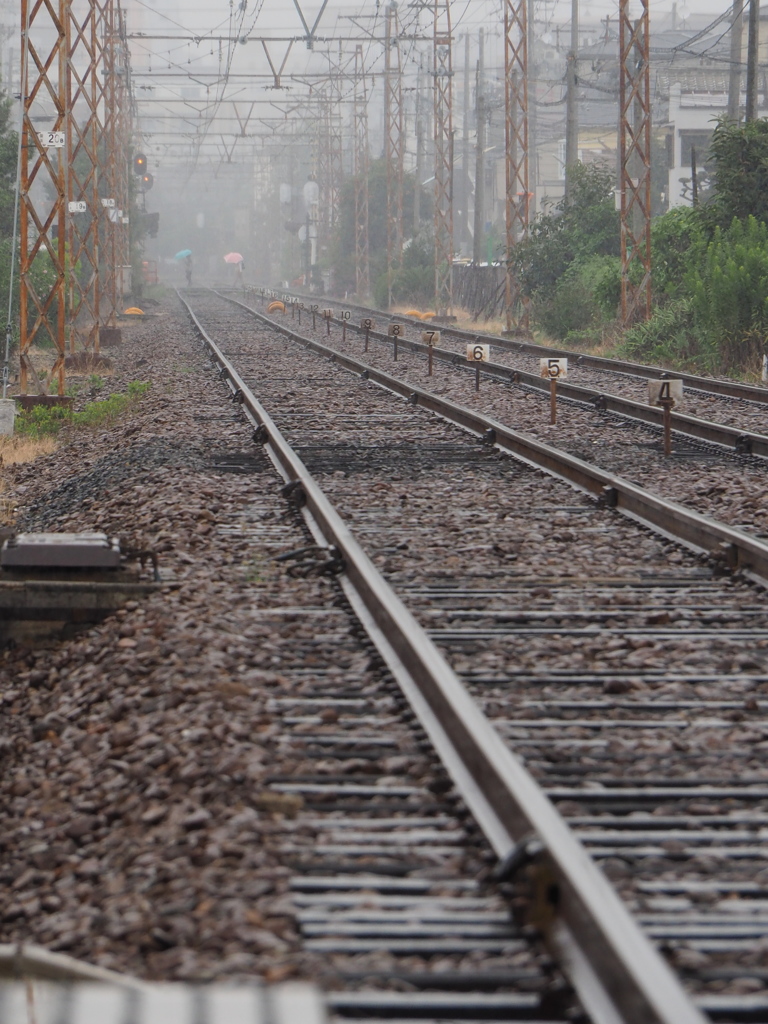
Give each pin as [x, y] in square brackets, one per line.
[553, 370]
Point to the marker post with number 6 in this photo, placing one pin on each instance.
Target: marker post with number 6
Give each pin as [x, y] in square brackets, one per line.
[666, 393]
[430, 338]
[553, 370]
[477, 353]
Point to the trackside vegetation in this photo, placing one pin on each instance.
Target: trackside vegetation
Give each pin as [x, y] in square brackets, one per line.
[709, 265]
[48, 420]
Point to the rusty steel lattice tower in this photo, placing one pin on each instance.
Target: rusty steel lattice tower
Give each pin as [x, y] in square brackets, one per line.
[330, 158]
[443, 134]
[43, 188]
[86, 30]
[116, 195]
[635, 169]
[361, 166]
[516, 139]
[394, 143]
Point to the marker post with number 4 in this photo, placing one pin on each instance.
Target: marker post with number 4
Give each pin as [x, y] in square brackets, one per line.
[477, 354]
[666, 393]
[553, 370]
[430, 338]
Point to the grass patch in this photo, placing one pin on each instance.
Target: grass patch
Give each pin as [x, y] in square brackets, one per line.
[18, 448]
[47, 421]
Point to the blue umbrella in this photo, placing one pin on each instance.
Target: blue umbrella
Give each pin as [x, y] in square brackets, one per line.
[182, 254]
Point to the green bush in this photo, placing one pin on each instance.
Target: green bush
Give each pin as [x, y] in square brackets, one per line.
[586, 295]
[47, 420]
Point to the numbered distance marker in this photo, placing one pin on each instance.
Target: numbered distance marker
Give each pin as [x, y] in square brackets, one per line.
[553, 369]
[77, 206]
[108, 204]
[430, 338]
[666, 393]
[52, 140]
[395, 331]
[662, 391]
[367, 325]
[478, 353]
[327, 316]
[344, 316]
[327, 313]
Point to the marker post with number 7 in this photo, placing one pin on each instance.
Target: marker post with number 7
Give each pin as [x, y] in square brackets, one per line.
[477, 353]
[430, 338]
[553, 370]
[666, 393]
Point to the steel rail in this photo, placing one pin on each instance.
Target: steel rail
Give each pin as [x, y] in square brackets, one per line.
[695, 382]
[618, 974]
[737, 549]
[742, 441]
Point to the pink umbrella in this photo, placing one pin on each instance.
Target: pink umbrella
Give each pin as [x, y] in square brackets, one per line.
[233, 257]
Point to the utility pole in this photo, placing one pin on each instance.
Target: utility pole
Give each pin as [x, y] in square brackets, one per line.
[479, 218]
[734, 74]
[443, 127]
[419, 127]
[635, 164]
[533, 164]
[362, 256]
[752, 60]
[572, 103]
[516, 138]
[393, 143]
[464, 191]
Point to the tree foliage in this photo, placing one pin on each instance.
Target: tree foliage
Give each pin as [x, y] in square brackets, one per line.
[740, 188]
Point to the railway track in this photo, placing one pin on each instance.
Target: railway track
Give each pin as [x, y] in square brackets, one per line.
[605, 368]
[718, 480]
[735, 421]
[626, 673]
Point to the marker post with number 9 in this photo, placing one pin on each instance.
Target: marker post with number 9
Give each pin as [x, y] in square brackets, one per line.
[368, 325]
[553, 370]
[477, 353]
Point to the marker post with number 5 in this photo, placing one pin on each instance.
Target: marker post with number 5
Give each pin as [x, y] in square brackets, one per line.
[477, 353]
[430, 338]
[666, 393]
[553, 370]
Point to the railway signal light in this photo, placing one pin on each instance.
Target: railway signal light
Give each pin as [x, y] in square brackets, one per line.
[139, 163]
[147, 181]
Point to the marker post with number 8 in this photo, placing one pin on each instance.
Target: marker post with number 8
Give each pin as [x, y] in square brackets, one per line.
[477, 353]
[553, 370]
[430, 338]
[395, 331]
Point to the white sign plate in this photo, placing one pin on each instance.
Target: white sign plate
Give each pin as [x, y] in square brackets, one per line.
[478, 353]
[77, 206]
[659, 390]
[108, 204]
[430, 337]
[553, 369]
[52, 140]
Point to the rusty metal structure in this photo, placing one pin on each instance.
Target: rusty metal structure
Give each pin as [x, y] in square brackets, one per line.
[361, 166]
[117, 195]
[86, 31]
[394, 143]
[442, 71]
[330, 157]
[516, 139]
[635, 164]
[43, 188]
